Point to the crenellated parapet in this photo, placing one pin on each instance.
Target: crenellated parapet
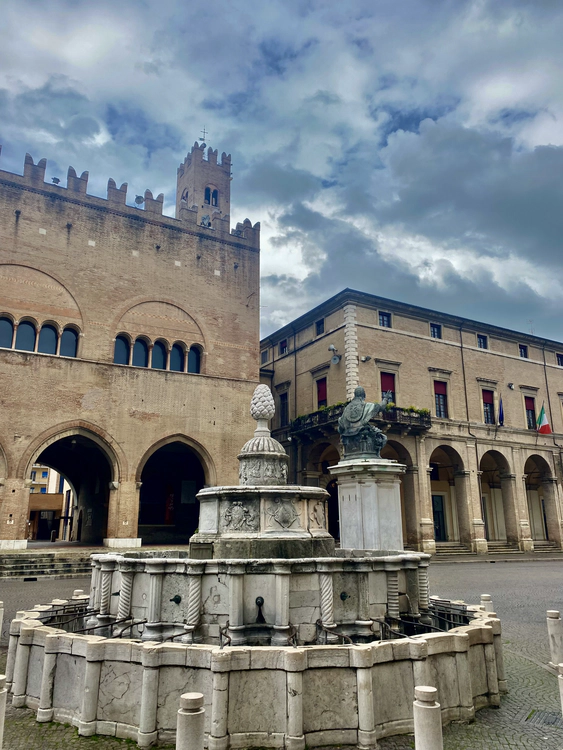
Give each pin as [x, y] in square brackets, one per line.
[192, 212]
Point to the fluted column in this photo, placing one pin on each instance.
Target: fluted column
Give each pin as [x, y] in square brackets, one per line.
[392, 572]
[424, 591]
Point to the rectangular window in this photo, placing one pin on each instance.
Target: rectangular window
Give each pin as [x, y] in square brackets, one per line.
[482, 342]
[523, 349]
[44, 474]
[435, 330]
[441, 398]
[32, 489]
[284, 409]
[264, 356]
[33, 475]
[530, 412]
[321, 393]
[385, 320]
[283, 346]
[560, 360]
[320, 327]
[489, 406]
[43, 490]
[388, 384]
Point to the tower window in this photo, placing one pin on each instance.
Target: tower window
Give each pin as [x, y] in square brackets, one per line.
[215, 198]
[489, 407]
[207, 198]
[441, 399]
[435, 330]
[482, 342]
[385, 319]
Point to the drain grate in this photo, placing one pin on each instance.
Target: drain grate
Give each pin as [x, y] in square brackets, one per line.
[544, 719]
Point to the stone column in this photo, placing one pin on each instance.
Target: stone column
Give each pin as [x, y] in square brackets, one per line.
[363, 623]
[473, 494]
[13, 514]
[499, 656]
[15, 627]
[295, 663]
[190, 722]
[108, 565]
[123, 515]
[281, 625]
[19, 685]
[392, 570]
[555, 636]
[147, 734]
[327, 601]
[3, 699]
[153, 627]
[91, 687]
[424, 591]
[491, 668]
[461, 479]
[195, 577]
[45, 710]
[1, 617]
[361, 657]
[236, 604]
[411, 486]
[549, 486]
[220, 666]
[427, 719]
[463, 670]
[426, 534]
[127, 570]
[508, 491]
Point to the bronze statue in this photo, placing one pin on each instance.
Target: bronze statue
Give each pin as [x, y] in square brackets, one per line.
[360, 439]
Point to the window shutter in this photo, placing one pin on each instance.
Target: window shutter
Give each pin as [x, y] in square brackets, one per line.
[530, 405]
[321, 389]
[488, 397]
[387, 382]
[440, 388]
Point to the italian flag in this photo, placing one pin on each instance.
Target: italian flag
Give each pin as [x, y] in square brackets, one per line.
[543, 424]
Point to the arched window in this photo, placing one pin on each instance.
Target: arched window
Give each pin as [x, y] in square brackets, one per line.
[215, 198]
[69, 343]
[177, 358]
[158, 361]
[207, 195]
[48, 340]
[185, 195]
[121, 351]
[194, 359]
[6, 333]
[140, 353]
[25, 337]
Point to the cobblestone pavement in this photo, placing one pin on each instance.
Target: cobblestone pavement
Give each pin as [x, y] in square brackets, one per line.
[521, 593]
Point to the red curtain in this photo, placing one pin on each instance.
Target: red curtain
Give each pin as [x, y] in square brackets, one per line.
[387, 382]
[488, 397]
[440, 388]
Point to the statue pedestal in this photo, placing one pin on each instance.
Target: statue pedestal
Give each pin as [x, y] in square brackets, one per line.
[369, 503]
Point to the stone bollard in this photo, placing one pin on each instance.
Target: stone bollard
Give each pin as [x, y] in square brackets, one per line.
[559, 682]
[487, 603]
[77, 593]
[189, 727]
[555, 635]
[1, 618]
[3, 697]
[427, 719]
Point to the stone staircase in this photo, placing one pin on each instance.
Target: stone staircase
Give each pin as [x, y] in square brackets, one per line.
[452, 548]
[503, 548]
[30, 565]
[545, 546]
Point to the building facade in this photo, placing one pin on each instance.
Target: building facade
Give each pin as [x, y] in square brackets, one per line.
[479, 477]
[128, 348]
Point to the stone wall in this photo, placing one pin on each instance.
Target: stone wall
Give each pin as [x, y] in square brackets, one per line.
[254, 697]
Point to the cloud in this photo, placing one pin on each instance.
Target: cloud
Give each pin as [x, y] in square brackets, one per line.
[413, 150]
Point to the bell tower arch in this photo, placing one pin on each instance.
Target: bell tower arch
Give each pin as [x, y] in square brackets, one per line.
[204, 183]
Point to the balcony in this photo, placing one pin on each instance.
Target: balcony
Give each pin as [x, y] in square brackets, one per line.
[325, 422]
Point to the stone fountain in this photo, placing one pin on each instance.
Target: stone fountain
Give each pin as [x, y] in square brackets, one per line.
[292, 642]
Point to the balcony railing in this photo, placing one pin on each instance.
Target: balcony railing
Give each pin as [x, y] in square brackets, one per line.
[402, 418]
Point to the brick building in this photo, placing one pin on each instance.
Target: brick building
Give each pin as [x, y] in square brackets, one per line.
[128, 348]
[471, 482]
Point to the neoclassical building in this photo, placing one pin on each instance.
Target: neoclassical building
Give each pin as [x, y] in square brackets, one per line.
[128, 348]
[477, 479]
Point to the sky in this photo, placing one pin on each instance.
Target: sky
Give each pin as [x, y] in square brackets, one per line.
[408, 149]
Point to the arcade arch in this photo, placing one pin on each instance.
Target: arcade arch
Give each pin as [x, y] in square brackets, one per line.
[541, 497]
[89, 465]
[448, 489]
[395, 451]
[171, 474]
[498, 498]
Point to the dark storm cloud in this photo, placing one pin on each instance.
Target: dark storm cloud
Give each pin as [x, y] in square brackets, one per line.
[413, 150]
